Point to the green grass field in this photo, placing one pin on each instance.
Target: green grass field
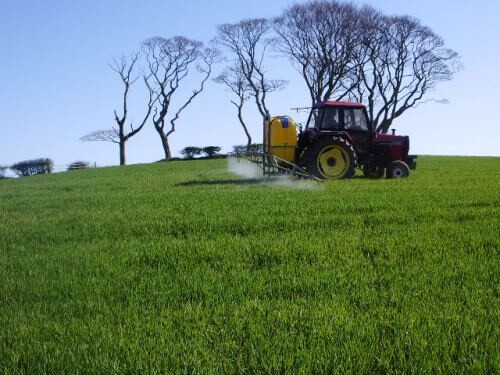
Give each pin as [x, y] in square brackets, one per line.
[183, 267]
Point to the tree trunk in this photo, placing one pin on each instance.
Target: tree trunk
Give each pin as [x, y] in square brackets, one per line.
[384, 126]
[122, 152]
[166, 146]
[242, 122]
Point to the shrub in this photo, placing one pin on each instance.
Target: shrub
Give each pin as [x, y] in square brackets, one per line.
[32, 167]
[243, 149]
[211, 151]
[190, 152]
[77, 165]
[239, 149]
[2, 171]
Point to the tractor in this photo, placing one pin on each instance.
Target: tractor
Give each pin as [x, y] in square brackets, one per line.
[337, 139]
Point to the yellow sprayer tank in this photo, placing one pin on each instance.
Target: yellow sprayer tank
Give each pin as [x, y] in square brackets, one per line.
[280, 137]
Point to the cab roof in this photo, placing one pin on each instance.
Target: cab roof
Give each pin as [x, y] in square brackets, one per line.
[338, 104]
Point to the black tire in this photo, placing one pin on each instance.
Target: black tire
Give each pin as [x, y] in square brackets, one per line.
[373, 171]
[398, 169]
[330, 158]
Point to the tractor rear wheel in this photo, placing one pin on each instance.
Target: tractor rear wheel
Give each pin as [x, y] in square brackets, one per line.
[331, 158]
[398, 169]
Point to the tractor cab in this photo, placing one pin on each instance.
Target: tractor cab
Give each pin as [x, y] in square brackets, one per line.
[336, 116]
[328, 118]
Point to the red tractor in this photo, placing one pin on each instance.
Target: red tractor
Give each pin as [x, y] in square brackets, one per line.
[337, 139]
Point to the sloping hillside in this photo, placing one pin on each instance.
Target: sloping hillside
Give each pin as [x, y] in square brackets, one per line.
[184, 266]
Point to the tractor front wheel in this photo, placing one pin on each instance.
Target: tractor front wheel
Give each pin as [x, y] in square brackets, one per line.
[331, 158]
[398, 169]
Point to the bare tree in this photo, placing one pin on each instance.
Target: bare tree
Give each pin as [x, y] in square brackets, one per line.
[345, 52]
[108, 135]
[235, 81]
[399, 62]
[168, 64]
[124, 67]
[319, 38]
[248, 42]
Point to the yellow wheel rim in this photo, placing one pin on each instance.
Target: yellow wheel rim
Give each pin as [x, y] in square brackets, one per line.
[333, 162]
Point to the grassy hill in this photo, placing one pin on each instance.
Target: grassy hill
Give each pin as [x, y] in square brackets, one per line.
[184, 267]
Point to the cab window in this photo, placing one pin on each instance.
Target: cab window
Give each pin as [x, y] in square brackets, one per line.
[354, 119]
[331, 119]
[314, 119]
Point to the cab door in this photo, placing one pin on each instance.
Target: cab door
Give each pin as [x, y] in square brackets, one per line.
[355, 123]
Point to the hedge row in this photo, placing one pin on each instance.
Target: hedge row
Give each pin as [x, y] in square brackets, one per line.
[244, 149]
[32, 167]
[191, 151]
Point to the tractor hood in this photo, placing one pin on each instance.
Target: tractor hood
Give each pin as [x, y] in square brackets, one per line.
[380, 137]
[399, 145]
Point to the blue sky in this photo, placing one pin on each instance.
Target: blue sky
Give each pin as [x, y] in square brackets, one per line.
[56, 85]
